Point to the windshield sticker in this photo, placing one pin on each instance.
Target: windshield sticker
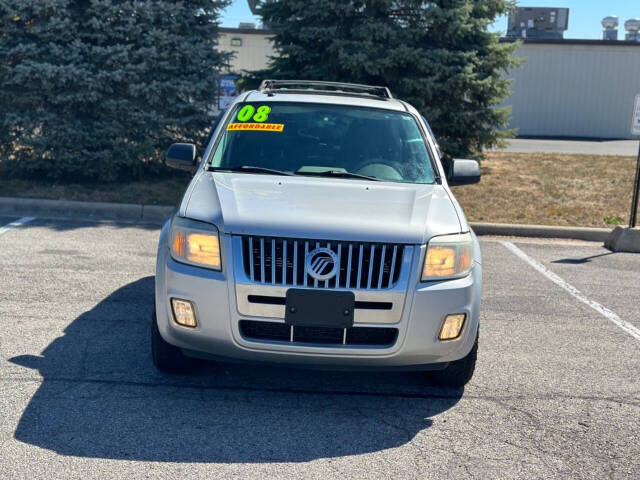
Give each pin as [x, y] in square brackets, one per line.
[247, 112]
[259, 127]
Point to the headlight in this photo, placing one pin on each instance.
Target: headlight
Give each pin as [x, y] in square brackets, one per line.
[448, 256]
[195, 243]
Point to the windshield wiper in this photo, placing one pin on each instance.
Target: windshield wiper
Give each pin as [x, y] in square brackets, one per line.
[251, 169]
[338, 174]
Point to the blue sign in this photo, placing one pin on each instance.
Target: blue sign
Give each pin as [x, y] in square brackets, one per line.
[227, 92]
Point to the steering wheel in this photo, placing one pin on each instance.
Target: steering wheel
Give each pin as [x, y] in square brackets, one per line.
[371, 167]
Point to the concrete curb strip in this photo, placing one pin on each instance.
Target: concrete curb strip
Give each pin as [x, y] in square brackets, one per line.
[543, 231]
[158, 213]
[84, 210]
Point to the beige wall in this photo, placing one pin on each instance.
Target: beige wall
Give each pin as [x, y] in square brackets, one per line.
[254, 52]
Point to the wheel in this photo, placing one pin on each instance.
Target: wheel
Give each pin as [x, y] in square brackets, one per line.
[166, 357]
[459, 372]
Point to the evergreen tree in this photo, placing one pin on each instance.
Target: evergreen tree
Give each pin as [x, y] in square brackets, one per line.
[97, 89]
[437, 55]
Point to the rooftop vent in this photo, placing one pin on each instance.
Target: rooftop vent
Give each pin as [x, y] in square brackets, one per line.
[610, 28]
[632, 26]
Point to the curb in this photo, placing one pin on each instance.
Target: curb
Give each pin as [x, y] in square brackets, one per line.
[128, 212]
[131, 212]
[541, 231]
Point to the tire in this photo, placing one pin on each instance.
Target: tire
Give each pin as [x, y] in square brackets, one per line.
[166, 357]
[459, 372]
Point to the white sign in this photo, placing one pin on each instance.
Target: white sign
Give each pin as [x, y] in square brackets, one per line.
[635, 123]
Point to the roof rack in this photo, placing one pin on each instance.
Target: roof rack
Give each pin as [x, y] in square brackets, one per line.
[324, 88]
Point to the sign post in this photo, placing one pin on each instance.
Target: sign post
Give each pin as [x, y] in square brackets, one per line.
[635, 130]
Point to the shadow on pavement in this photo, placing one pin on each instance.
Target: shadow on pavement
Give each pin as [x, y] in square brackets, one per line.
[579, 261]
[102, 398]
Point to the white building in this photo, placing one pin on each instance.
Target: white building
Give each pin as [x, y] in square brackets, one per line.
[251, 47]
[575, 88]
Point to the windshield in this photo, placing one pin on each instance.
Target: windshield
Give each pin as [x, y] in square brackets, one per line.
[317, 139]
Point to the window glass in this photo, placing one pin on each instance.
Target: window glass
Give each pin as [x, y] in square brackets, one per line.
[299, 137]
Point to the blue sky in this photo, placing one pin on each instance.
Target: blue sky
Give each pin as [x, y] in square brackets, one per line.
[584, 18]
[239, 12]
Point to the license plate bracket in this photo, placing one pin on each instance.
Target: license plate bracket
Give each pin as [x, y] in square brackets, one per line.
[317, 308]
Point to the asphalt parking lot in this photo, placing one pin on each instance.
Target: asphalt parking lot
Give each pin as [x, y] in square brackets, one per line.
[556, 393]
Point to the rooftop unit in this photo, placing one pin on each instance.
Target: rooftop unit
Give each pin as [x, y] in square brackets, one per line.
[632, 26]
[538, 22]
[610, 28]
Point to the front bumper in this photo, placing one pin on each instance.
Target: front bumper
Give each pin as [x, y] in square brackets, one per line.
[216, 302]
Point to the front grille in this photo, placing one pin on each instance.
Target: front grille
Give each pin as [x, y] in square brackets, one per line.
[281, 261]
[360, 336]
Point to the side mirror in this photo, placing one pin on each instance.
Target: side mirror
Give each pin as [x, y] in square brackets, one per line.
[463, 172]
[181, 156]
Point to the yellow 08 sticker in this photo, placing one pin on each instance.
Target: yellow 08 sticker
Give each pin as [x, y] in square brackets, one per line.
[258, 127]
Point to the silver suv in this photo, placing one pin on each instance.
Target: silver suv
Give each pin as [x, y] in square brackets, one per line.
[319, 230]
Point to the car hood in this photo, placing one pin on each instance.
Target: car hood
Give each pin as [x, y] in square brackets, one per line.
[321, 208]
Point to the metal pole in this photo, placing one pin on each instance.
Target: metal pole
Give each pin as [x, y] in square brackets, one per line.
[636, 192]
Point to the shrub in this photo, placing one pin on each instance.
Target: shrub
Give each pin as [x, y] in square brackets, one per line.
[97, 89]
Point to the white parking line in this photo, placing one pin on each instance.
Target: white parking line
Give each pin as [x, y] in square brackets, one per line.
[604, 311]
[17, 223]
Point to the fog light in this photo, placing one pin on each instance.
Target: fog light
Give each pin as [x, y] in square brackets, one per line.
[452, 326]
[183, 313]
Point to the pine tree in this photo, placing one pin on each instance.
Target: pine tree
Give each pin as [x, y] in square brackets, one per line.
[97, 89]
[437, 55]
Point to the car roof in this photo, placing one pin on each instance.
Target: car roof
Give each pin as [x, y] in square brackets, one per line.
[325, 98]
